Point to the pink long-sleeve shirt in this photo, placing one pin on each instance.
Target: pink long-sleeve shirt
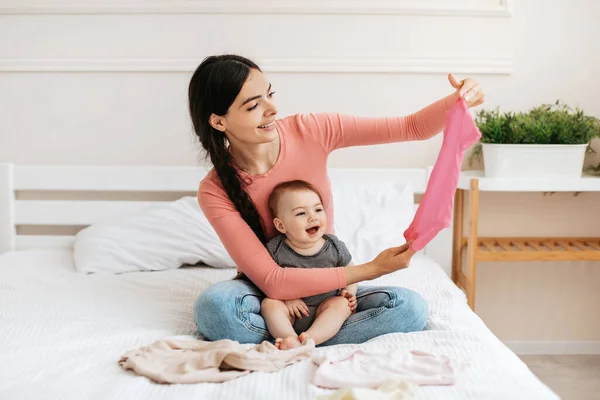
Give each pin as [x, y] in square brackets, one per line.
[435, 209]
[306, 140]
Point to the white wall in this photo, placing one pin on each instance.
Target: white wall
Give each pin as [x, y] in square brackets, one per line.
[102, 83]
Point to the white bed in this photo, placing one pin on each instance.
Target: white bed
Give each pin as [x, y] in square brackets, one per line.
[63, 332]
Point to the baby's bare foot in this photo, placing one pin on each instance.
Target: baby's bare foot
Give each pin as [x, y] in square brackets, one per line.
[289, 342]
[303, 336]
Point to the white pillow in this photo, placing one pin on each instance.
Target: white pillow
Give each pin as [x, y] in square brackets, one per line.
[156, 238]
[356, 186]
[371, 217]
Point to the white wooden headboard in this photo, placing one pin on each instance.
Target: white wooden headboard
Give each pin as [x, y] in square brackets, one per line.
[101, 179]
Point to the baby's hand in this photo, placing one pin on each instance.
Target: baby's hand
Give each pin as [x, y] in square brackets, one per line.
[296, 308]
[351, 299]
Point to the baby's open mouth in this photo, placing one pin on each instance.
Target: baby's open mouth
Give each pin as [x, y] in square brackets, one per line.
[312, 230]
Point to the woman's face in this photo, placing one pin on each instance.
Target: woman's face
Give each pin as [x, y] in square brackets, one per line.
[251, 117]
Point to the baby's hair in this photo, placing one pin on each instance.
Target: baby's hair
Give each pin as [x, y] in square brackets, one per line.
[281, 188]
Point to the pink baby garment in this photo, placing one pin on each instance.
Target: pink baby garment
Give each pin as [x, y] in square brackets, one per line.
[370, 370]
[435, 210]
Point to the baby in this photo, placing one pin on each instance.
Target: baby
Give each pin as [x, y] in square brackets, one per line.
[298, 213]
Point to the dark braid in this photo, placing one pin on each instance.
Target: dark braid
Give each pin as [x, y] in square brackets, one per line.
[233, 184]
[213, 88]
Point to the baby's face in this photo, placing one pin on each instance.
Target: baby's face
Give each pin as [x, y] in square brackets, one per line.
[301, 216]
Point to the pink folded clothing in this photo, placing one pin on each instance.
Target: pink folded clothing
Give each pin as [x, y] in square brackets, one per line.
[370, 370]
[195, 361]
[435, 211]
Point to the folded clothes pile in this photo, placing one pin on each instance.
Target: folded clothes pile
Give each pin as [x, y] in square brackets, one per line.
[359, 375]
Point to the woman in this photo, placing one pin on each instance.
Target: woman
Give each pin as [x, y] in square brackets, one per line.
[234, 116]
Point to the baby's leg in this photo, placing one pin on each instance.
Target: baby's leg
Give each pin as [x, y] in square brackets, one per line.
[280, 323]
[329, 318]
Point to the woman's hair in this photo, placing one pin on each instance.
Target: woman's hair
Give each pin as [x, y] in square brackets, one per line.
[283, 187]
[213, 87]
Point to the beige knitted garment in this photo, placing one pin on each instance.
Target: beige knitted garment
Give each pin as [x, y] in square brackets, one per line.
[195, 361]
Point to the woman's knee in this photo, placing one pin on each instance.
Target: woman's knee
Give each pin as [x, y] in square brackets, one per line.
[224, 309]
[210, 303]
[411, 309]
[217, 297]
[210, 300]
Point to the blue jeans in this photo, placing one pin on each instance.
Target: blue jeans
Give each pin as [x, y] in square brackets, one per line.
[231, 310]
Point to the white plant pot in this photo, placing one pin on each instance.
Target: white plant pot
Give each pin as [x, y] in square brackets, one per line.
[533, 160]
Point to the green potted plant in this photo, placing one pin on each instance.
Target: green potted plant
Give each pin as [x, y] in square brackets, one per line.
[547, 141]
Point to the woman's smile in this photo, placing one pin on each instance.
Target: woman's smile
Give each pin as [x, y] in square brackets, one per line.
[268, 126]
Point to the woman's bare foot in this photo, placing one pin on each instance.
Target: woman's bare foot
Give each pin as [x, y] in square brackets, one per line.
[289, 342]
[303, 336]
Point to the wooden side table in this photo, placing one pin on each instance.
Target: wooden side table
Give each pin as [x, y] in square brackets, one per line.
[512, 248]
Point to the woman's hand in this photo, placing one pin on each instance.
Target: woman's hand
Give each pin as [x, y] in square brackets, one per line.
[393, 259]
[469, 89]
[296, 308]
[387, 261]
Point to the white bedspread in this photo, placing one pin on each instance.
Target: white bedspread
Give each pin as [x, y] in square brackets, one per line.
[62, 334]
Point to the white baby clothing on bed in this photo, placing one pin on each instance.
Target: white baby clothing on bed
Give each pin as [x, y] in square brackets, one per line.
[370, 370]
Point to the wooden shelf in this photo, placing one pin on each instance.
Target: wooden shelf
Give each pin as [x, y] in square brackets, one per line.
[511, 248]
[536, 248]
